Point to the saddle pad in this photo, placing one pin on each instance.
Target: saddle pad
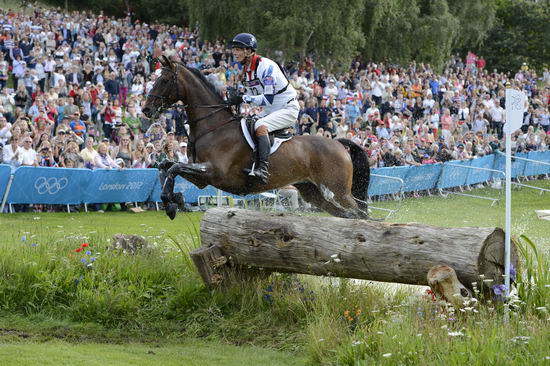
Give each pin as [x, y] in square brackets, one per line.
[276, 141]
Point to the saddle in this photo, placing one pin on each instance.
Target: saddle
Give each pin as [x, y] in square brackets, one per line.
[276, 138]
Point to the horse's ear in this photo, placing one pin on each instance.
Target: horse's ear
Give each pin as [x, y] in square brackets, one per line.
[164, 61]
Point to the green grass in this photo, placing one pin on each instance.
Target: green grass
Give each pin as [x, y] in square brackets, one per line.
[460, 211]
[123, 305]
[188, 353]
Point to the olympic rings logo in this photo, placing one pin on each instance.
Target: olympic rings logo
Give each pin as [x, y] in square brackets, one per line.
[50, 185]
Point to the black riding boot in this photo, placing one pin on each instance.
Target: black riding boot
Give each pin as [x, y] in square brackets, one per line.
[261, 171]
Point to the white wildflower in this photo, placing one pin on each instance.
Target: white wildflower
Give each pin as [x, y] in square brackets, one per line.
[521, 339]
[419, 335]
[321, 340]
[455, 334]
[386, 355]
[356, 343]
[379, 332]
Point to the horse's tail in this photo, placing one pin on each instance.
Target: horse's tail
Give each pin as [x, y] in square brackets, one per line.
[361, 172]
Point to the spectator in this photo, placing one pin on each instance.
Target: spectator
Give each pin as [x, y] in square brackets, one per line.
[26, 156]
[88, 154]
[103, 159]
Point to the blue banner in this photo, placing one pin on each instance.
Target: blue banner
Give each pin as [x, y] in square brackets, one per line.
[155, 193]
[380, 185]
[41, 185]
[453, 175]
[129, 185]
[476, 176]
[5, 172]
[422, 177]
[190, 192]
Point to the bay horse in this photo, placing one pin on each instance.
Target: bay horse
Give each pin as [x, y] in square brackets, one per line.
[330, 174]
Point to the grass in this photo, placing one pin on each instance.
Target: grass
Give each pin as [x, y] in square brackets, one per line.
[459, 211]
[124, 305]
[188, 353]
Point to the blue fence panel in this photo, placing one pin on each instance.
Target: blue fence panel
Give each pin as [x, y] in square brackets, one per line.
[380, 185]
[480, 176]
[5, 172]
[546, 159]
[453, 176]
[518, 166]
[532, 169]
[422, 177]
[130, 185]
[41, 185]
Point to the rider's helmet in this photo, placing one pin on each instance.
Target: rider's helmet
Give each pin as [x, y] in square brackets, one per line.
[244, 40]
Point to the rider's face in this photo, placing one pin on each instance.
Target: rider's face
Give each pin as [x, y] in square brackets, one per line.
[240, 54]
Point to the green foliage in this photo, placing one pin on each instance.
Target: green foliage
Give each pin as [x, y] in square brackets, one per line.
[520, 34]
[476, 18]
[330, 29]
[533, 279]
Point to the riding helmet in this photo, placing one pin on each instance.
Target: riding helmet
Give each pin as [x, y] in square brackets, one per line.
[245, 40]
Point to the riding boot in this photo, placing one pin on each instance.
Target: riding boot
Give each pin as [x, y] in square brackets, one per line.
[262, 171]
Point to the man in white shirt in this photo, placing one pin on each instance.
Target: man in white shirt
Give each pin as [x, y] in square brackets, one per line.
[331, 88]
[377, 88]
[26, 156]
[497, 119]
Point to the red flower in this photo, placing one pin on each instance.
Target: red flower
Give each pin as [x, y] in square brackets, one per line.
[84, 245]
[78, 250]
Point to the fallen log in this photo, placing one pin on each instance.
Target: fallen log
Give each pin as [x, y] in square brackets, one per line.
[329, 246]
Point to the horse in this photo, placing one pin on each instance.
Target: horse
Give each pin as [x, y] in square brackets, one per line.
[332, 175]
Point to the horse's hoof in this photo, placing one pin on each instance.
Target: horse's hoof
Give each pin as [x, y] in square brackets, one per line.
[171, 210]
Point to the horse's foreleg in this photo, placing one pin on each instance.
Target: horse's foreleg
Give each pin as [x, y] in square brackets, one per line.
[168, 176]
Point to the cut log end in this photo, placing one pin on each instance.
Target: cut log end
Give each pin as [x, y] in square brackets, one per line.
[491, 258]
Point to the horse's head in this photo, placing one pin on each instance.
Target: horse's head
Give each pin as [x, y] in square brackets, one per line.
[165, 90]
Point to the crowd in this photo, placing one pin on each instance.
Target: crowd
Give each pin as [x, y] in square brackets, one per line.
[73, 86]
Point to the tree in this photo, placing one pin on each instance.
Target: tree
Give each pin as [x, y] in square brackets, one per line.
[406, 30]
[475, 17]
[519, 35]
[329, 28]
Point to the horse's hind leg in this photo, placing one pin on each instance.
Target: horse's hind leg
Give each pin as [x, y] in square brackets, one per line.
[312, 194]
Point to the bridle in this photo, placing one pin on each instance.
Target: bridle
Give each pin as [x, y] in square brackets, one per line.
[217, 107]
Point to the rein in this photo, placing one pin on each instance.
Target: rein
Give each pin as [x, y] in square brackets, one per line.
[218, 108]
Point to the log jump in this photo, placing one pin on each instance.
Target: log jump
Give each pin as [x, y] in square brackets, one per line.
[237, 239]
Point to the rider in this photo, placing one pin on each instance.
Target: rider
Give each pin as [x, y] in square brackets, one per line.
[266, 86]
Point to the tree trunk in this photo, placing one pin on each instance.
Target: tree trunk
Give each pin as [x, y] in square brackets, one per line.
[360, 249]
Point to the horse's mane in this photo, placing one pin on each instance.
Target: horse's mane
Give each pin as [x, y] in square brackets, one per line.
[209, 86]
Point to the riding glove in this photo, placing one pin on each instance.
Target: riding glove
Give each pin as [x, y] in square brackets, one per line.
[238, 99]
[235, 100]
